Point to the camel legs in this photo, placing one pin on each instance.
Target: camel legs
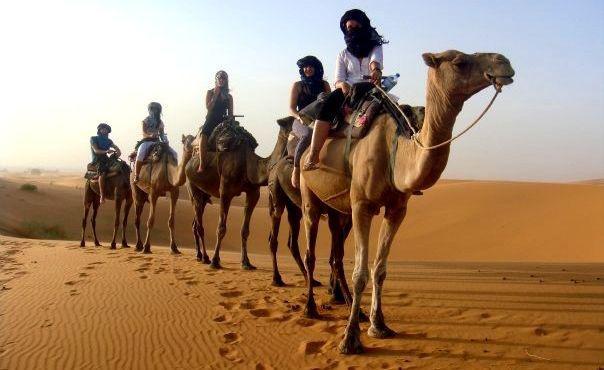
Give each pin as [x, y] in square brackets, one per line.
[140, 198]
[116, 222]
[339, 227]
[276, 208]
[225, 203]
[312, 214]
[87, 204]
[95, 209]
[294, 216]
[150, 221]
[127, 207]
[392, 220]
[173, 199]
[199, 200]
[362, 215]
[251, 199]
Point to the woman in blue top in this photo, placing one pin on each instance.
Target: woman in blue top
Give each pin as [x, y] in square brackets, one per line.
[100, 146]
[361, 57]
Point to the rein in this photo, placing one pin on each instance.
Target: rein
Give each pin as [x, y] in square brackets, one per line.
[414, 136]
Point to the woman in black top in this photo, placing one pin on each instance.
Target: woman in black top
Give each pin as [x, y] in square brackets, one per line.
[219, 104]
[303, 93]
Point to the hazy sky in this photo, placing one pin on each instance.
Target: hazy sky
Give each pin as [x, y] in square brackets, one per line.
[68, 65]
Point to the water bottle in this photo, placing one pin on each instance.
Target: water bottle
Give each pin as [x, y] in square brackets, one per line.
[388, 82]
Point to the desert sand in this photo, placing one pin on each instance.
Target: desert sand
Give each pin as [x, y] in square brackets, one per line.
[482, 275]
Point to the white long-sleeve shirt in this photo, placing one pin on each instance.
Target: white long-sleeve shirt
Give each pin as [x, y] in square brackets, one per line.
[351, 69]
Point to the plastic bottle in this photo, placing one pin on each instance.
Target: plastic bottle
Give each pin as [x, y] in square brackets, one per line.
[388, 82]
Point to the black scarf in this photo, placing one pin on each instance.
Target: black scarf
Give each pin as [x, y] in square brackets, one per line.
[360, 41]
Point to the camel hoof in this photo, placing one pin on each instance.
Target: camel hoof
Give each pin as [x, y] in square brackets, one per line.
[97, 244]
[138, 247]
[248, 266]
[112, 245]
[125, 245]
[316, 283]
[215, 264]
[277, 281]
[350, 345]
[206, 260]
[82, 244]
[147, 251]
[175, 250]
[380, 333]
[310, 311]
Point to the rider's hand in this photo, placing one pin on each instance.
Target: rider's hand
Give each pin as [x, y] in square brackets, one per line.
[376, 76]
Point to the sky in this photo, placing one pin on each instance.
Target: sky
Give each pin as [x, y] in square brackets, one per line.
[68, 65]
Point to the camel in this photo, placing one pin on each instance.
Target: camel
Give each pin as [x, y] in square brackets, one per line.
[228, 174]
[159, 175]
[282, 195]
[116, 187]
[379, 180]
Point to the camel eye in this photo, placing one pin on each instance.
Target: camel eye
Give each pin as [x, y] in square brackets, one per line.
[459, 62]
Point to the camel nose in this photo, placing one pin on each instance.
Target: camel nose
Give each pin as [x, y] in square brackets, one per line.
[500, 59]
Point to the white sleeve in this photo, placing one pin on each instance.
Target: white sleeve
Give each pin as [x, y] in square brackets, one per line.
[377, 56]
[341, 72]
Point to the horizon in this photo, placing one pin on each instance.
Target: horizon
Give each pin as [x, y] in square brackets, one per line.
[74, 64]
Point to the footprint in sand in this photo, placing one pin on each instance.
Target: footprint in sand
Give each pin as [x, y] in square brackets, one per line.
[192, 282]
[261, 312]
[233, 294]
[143, 277]
[305, 322]
[222, 318]
[83, 274]
[227, 305]
[73, 292]
[230, 354]
[247, 305]
[71, 282]
[89, 267]
[311, 347]
[230, 338]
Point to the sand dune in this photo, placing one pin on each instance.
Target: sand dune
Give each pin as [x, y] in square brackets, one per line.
[67, 307]
[456, 220]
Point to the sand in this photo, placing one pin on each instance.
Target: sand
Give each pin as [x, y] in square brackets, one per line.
[67, 307]
[483, 274]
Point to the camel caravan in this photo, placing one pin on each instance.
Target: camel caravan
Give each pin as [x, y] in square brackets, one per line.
[342, 154]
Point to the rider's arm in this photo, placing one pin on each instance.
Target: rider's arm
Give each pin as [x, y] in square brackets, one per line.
[326, 87]
[376, 64]
[117, 150]
[96, 149]
[293, 100]
[210, 99]
[341, 73]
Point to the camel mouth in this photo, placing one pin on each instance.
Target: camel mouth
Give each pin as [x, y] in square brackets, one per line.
[498, 81]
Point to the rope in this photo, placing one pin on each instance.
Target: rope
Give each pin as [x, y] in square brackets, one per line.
[416, 140]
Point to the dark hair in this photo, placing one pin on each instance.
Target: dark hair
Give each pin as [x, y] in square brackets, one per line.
[311, 61]
[154, 109]
[101, 126]
[225, 88]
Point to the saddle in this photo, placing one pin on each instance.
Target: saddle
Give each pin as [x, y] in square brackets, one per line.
[115, 166]
[157, 151]
[228, 136]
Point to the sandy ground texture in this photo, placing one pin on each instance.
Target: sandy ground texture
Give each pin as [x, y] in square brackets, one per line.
[453, 221]
[63, 307]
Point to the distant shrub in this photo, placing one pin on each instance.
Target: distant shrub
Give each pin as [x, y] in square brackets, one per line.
[29, 187]
[35, 171]
[39, 230]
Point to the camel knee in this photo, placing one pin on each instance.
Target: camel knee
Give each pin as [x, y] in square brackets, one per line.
[379, 273]
[221, 231]
[360, 278]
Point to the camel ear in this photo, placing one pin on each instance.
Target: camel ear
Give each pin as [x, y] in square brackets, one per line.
[286, 122]
[431, 60]
[183, 138]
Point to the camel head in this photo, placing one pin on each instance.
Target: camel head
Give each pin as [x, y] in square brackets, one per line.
[187, 143]
[461, 75]
[285, 124]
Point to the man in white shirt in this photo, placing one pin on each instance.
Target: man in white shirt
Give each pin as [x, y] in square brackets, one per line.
[362, 58]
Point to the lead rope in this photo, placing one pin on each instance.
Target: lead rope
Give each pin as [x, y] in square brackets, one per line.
[414, 136]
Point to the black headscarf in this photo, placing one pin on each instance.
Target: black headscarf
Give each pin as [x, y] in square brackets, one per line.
[154, 117]
[360, 41]
[103, 125]
[314, 83]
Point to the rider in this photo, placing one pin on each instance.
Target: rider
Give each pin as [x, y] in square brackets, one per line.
[303, 93]
[153, 131]
[100, 146]
[362, 56]
[219, 104]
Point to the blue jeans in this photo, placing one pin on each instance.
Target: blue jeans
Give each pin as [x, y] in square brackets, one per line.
[304, 135]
